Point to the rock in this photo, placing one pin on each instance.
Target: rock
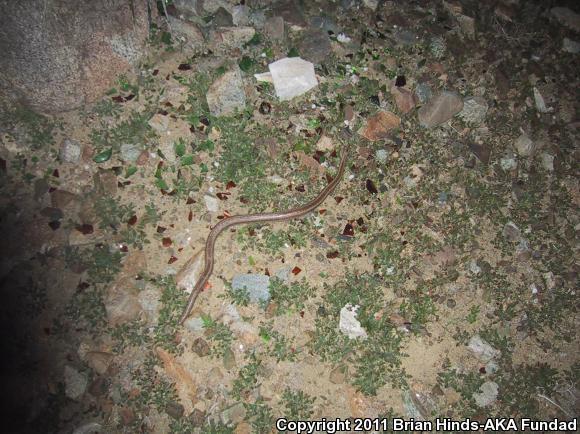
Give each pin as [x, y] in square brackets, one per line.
[121, 304]
[187, 32]
[188, 275]
[547, 161]
[292, 77]
[324, 144]
[64, 199]
[524, 145]
[61, 56]
[487, 394]
[130, 152]
[511, 232]
[127, 415]
[284, 274]
[175, 410]
[200, 347]
[234, 414]
[89, 428]
[106, 182]
[423, 92]
[440, 109]
[229, 359]
[222, 18]
[508, 162]
[99, 361]
[315, 46]
[539, 100]
[150, 301]
[349, 325]
[53, 214]
[40, 188]
[474, 110]
[197, 418]
[467, 25]
[326, 23]
[241, 15]
[481, 150]
[567, 17]
[274, 28]
[570, 46]
[194, 324]
[226, 38]
[159, 123]
[404, 99]
[212, 203]
[70, 151]
[379, 125]
[255, 284]
[291, 11]
[337, 375]
[482, 350]
[226, 94]
[381, 155]
[371, 4]
[405, 37]
[75, 383]
[189, 8]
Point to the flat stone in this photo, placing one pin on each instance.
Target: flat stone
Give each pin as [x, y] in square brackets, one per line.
[234, 414]
[274, 28]
[241, 15]
[75, 383]
[379, 125]
[121, 303]
[187, 32]
[487, 394]
[524, 145]
[481, 150]
[159, 123]
[404, 99]
[130, 152]
[570, 46]
[212, 203]
[481, 349]
[231, 37]
[222, 18]
[440, 109]
[106, 182]
[70, 151]
[292, 77]
[99, 361]
[226, 94]
[474, 110]
[255, 284]
[315, 46]
[423, 92]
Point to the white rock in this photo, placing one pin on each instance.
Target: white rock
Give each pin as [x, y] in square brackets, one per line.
[524, 145]
[75, 383]
[348, 323]
[292, 77]
[487, 394]
[482, 350]
[212, 203]
[547, 161]
[539, 100]
[70, 151]
[570, 46]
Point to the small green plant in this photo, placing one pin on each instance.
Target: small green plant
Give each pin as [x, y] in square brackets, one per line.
[473, 314]
[29, 127]
[173, 302]
[290, 296]
[280, 347]
[111, 213]
[260, 415]
[86, 306]
[298, 404]
[219, 334]
[104, 263]
[247, 378]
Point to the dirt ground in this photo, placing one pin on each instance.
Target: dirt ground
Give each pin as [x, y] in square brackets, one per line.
[450, 243]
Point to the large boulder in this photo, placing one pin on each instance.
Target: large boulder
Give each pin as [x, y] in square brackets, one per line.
[59, 55]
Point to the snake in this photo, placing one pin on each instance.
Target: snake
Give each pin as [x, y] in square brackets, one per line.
[271, 217]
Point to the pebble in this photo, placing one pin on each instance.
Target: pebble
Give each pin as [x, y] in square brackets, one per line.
[349, 325]
[524, 145]
[255, 284]
[70, 151]
[75, 382]
[474, 110]
[227, 94]
[487, 394]
[482, 350]
[440, 109]
[130, 152]
[212, 203]
[380, 125]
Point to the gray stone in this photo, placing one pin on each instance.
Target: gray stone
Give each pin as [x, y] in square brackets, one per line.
[405, 37]
[212, 203]
[70, 151]
[234, 414]
[130, 152]
[75, 383]
[226, 38]
[487, 394]
[315, 46]
[524, 145]
[255, 284]
[440, 109]
[570, 46]
[482, 350]
[274, 28]
[474, 110]
[222, 18]
[511, 232]
[325, 23]
[194, 324]
[187, 32]
[226, 94]
[423, 92]
[291, 11]
[241, 15]
[567, 17]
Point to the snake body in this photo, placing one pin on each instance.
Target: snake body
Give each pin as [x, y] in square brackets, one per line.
[254, 218]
